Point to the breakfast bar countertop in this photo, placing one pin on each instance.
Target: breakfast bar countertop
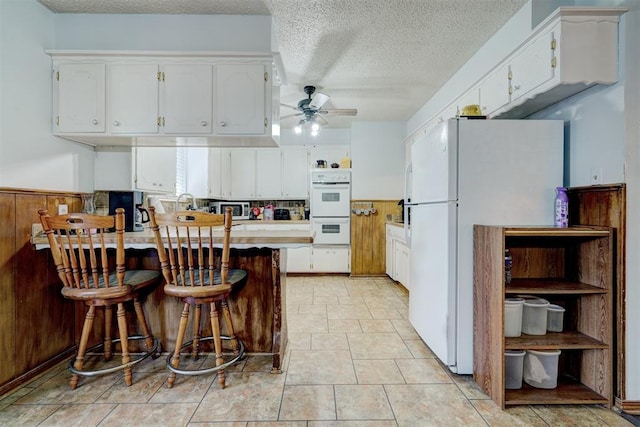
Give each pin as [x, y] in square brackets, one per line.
[240, 239]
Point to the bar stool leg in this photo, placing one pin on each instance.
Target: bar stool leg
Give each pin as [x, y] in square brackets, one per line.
[227, 319]
[148, 339]
[124, 343]
[82, 348]
[195, 348]
[175, 360]
[108, 319]
[215, 327]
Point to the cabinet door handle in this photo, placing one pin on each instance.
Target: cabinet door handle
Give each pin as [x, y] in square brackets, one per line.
[95, 121]
[223, 124]
[116, 123]
[203, 123]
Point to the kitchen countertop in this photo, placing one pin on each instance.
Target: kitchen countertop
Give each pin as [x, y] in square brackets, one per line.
[240, 239]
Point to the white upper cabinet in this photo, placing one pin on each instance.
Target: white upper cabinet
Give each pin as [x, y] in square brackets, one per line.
[155, 169]
[80, 98]
[215, 173]
[269, 173]
[239, 173]
[571, 50]
[533, 64]
[105, 98]
[132, 101]
[295, 173]
[186, 98]
[240, 99]
[494, 90]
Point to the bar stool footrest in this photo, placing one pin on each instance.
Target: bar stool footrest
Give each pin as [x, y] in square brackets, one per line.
[206, 370]
[95, 372]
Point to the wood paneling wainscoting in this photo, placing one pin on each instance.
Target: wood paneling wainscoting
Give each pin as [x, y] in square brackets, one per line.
[605, 205]
[30, 291]
[39, 327]
[368, 236]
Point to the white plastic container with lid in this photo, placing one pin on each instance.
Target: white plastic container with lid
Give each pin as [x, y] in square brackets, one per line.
[555, 318]
[513, 317]
[540, 368]
[513, 364]
[534, 316]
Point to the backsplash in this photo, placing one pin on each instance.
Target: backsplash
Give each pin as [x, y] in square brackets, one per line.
[169, 202]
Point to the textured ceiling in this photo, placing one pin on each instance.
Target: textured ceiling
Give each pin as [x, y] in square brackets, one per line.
[384, 57]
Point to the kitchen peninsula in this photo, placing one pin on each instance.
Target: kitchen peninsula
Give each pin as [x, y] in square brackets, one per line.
[257, 309]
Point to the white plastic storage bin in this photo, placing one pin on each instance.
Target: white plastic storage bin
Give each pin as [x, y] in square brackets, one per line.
[513, 317]
[534, 316]
[555, 318]
[513, 363]
[540, 368]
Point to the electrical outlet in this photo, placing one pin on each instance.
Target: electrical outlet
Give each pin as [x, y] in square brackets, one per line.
[63, 209]
[596, 176]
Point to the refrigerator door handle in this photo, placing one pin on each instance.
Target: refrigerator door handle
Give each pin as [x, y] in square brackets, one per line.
[407, 172]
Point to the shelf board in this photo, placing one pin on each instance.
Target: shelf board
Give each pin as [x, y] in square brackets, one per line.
[569, 340]
[580, 231]
[551, 287]
[567, 393]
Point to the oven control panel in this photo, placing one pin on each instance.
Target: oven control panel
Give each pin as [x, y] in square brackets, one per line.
[331, 177]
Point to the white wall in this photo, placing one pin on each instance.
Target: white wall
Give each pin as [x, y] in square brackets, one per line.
[30, 156]
[163, 32]
[377, 153]
[325, 137]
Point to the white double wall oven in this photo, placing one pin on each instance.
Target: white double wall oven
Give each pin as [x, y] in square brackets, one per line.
[331, 207]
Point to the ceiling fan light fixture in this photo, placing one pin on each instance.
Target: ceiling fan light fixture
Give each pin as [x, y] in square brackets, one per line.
[315, 127]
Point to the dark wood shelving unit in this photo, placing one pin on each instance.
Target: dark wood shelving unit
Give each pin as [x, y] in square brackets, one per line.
[567, 266]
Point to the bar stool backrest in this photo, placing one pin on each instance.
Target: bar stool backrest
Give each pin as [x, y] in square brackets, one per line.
[89, 267]
[186, 243]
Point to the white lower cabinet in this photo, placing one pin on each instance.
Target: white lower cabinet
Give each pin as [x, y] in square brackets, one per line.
[299, 259]
[402, 263]
[331, 259]
[397, 255]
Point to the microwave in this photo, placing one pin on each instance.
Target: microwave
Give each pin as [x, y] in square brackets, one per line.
[240, 209]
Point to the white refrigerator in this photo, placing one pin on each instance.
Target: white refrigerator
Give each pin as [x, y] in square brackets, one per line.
[465, 172]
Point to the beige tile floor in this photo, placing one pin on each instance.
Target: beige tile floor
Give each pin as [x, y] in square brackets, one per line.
[353, 361]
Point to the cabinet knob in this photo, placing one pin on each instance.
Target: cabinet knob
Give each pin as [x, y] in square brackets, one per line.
[516, 87]
[223, 124]
[116, 123]
[203, 123]
[94, 121]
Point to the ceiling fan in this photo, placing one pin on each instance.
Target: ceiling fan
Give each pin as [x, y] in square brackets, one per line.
[310, 110]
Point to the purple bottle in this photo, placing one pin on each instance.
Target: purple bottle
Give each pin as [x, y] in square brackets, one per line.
[562, 207]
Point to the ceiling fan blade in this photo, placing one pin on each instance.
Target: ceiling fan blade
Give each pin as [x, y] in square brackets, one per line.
[318, 99]
[291, 115]
[340, 112]
[321, 120]
[293, 107]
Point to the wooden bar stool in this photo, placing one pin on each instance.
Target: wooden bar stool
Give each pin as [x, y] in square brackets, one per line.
[187, 258]
[77, 243]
